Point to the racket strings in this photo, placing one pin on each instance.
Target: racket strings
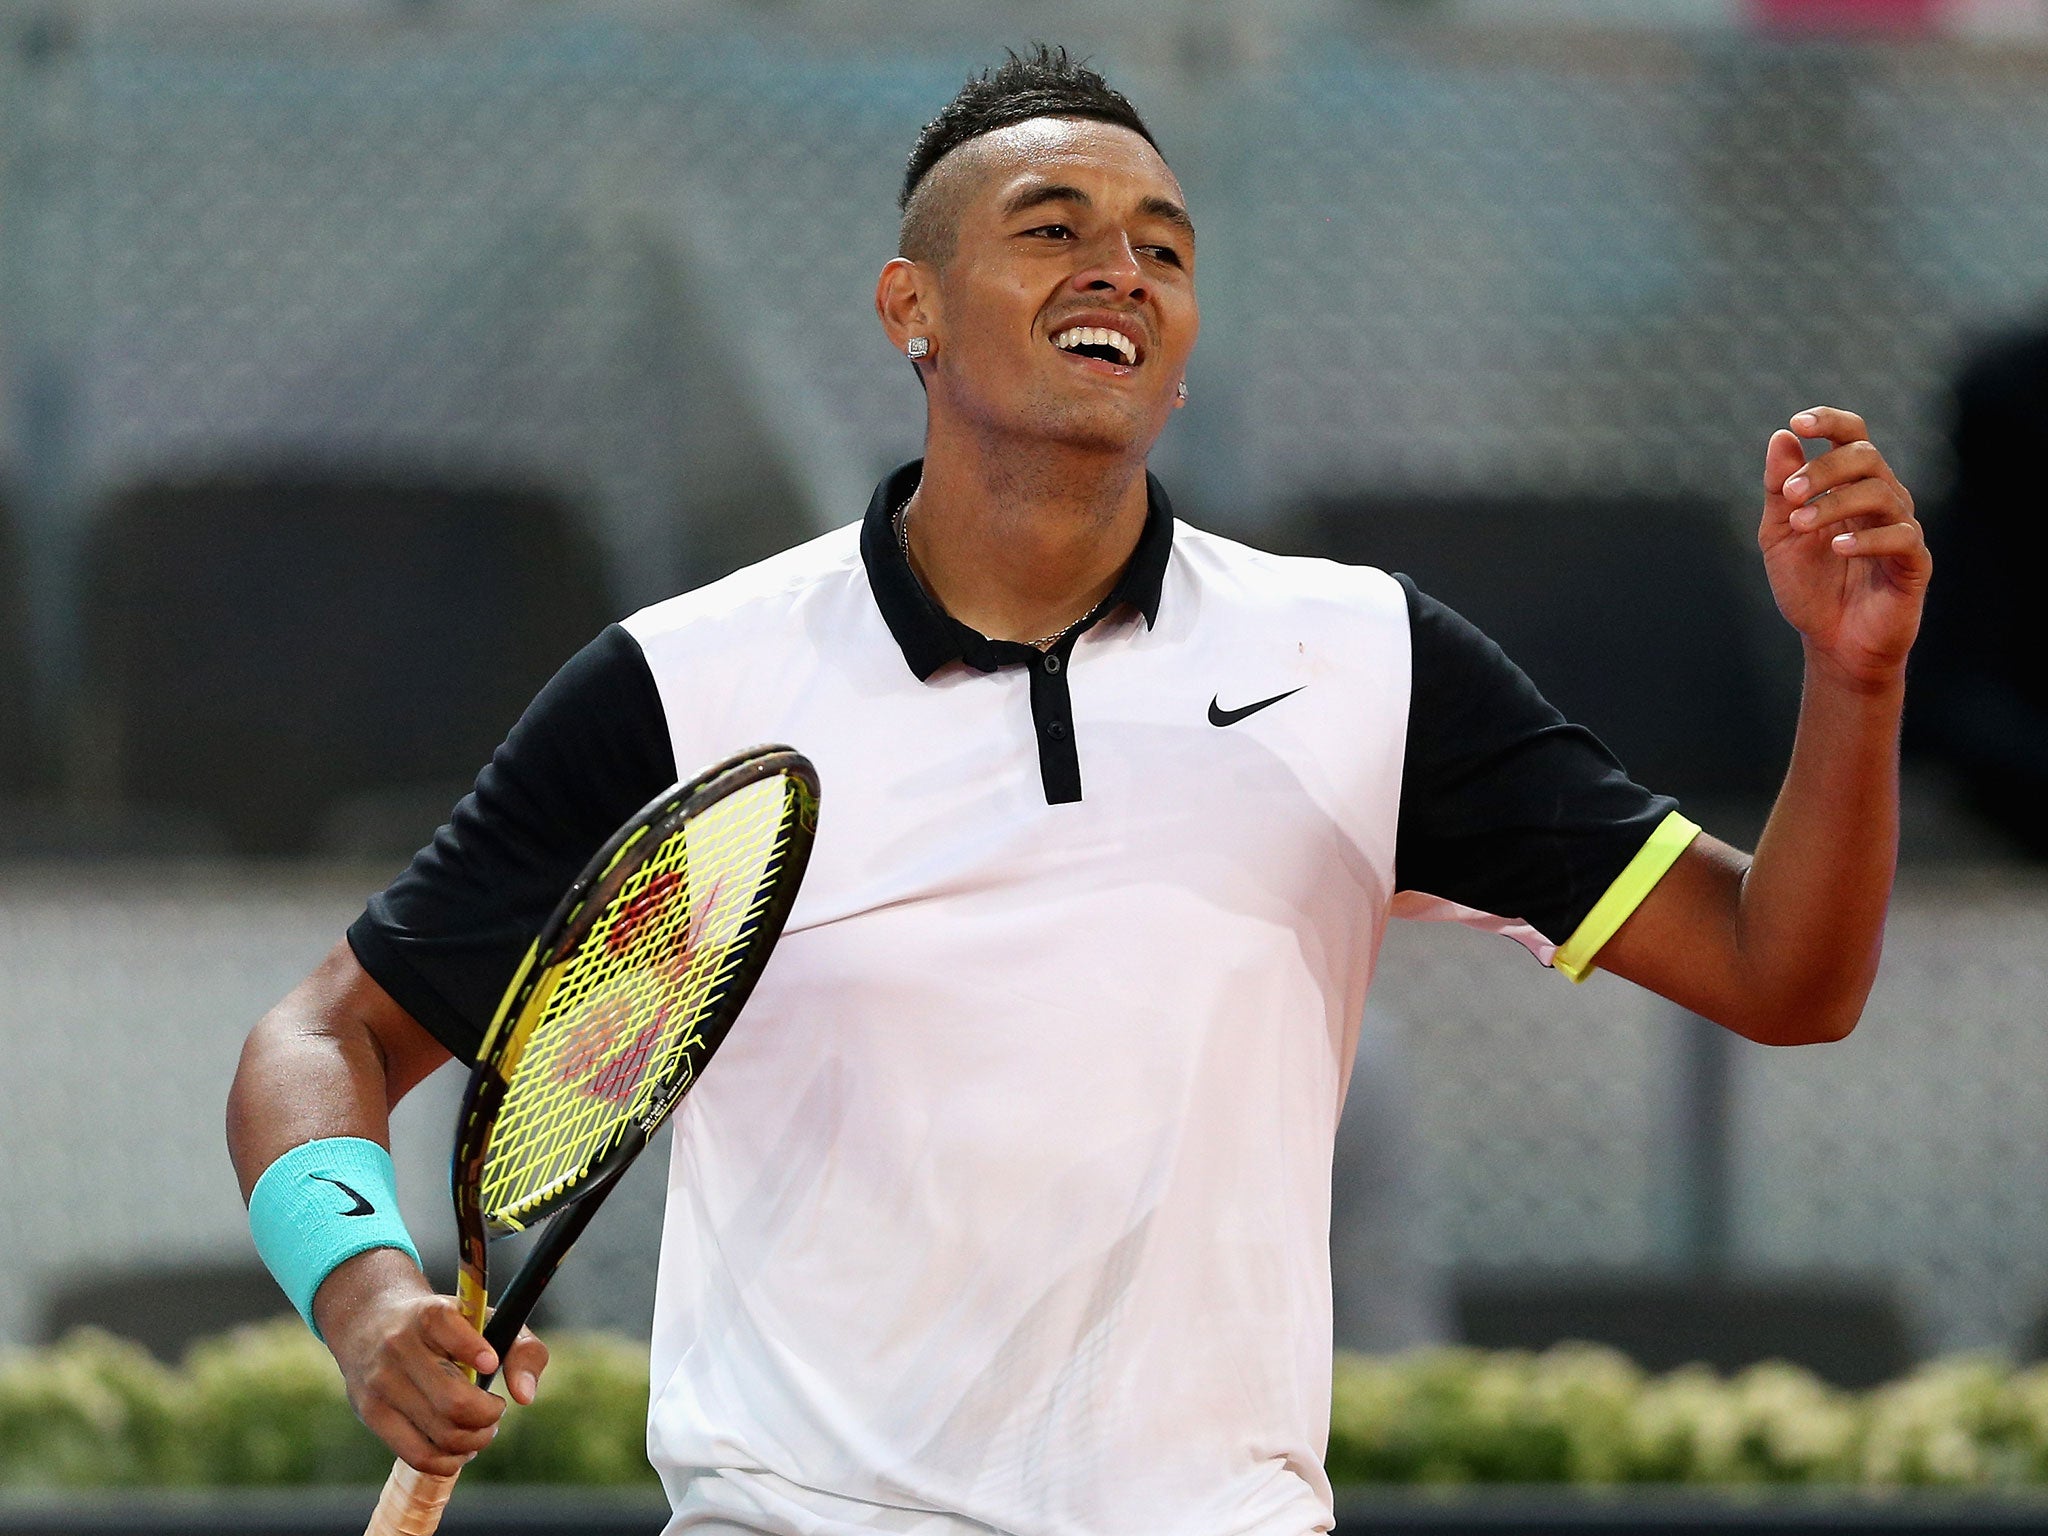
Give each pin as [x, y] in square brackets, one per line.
[622, 1031]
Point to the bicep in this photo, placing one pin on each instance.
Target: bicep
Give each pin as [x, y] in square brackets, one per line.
[1682, 940]
[330, 1059]
[444, 938]
[350, 998]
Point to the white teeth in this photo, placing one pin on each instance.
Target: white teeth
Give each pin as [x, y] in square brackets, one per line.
[1097, 336]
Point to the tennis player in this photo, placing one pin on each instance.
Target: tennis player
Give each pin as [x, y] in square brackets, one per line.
[1006, 1206]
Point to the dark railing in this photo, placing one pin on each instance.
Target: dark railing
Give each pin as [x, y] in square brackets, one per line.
[1679, 1512]
[329, 1512]
[1487, 1512]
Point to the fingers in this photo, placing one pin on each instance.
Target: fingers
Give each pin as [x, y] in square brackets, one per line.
[524, 1362]
[1825, 421]
[1899, 539]
[437, 1421]
[1838, 467]
[406, 1364]
[1782, 458]
[1876, 500]
[1847, 559]
[407, 1442]
[446, 1330]
[430, 1435]
[1848, 489]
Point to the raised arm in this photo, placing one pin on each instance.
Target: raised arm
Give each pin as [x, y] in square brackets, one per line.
[1782, 946]
[330, 1061]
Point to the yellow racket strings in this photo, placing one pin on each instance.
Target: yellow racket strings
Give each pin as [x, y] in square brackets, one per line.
[622, 1025]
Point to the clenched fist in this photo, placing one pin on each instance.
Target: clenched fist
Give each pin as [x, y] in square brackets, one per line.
[410, 1361]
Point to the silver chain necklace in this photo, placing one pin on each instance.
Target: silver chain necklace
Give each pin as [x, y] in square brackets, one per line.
[902, 521]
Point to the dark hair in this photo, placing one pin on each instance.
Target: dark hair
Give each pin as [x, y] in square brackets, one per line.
[1044, 82]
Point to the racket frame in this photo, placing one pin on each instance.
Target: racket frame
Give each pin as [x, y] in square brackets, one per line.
[567, 1213]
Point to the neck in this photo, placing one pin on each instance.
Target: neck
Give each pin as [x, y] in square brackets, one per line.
[1022, 545]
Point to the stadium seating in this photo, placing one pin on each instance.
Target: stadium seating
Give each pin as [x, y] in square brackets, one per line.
[1845, 1331]
[1647, 620]
[164, 1307]
[167, 1307]
[1980, 700]
[309, 657]
[17, 740]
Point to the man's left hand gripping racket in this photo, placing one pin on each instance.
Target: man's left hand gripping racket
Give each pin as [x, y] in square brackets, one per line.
[624, 996]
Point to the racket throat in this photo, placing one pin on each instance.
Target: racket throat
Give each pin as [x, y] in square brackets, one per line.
[555, 1239]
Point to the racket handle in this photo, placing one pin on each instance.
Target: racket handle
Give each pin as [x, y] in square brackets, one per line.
[410, 1504]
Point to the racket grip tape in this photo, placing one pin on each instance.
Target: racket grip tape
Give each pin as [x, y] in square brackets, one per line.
[410, 1504]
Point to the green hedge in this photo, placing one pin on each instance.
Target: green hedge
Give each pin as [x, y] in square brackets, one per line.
[1578, 1414]
[264, 1406]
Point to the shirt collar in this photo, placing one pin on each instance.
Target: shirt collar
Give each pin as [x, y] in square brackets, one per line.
[930, 637]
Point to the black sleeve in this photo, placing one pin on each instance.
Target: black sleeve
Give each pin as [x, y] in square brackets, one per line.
[593, 748]
[1506, 807]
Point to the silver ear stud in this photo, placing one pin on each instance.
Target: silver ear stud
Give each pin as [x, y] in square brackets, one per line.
[920, 346]
[1181, 389]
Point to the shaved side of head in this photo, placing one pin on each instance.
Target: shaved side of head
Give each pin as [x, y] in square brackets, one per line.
[941, 176]
[931, 216]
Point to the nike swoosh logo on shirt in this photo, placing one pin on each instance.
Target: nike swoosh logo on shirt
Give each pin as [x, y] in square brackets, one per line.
[362, 1207]
[1220, 716]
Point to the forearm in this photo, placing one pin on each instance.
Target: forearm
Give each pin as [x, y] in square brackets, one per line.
[329, 1061]
[1782, 946]
[1809, 923]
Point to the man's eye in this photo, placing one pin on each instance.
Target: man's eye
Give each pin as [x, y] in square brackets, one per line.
[1165, 253]
[1053, 231]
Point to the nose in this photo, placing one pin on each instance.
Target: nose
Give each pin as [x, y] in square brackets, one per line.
[1110, 265]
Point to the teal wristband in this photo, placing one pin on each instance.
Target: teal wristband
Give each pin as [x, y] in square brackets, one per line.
[319, 1206]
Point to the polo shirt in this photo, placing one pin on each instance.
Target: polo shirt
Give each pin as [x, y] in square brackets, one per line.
[1005, 1207]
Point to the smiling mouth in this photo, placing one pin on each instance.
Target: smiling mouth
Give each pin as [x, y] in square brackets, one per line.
[1099, 343]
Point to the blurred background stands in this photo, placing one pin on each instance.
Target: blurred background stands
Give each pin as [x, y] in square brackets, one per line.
[357, 360]
[316, 663]
[16, 740]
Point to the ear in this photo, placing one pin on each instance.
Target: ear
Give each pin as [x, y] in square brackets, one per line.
[906, 299]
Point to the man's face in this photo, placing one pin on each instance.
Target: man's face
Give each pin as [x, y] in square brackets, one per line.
[1068, 229]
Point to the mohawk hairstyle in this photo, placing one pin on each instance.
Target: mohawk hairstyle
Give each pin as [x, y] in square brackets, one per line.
[1044, 82]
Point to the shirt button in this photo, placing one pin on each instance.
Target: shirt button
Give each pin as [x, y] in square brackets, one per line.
[1056, 729]
[1052, 664]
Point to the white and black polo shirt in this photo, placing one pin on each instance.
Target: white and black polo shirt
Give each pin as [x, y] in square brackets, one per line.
[1005, 1206]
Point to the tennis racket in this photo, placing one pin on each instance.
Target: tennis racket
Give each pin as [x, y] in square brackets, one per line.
[629, 988]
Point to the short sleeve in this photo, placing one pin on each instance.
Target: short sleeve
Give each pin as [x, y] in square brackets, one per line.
[1509, 811]
[444, 938]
